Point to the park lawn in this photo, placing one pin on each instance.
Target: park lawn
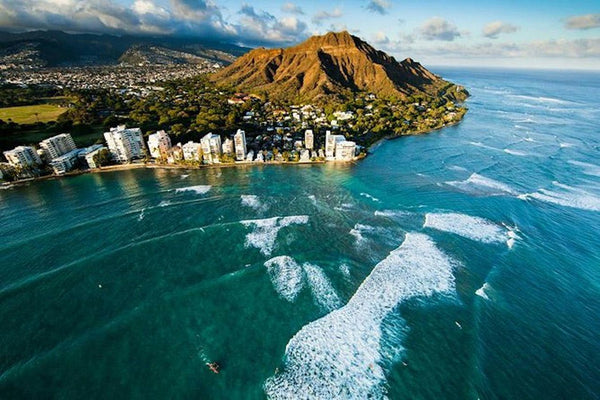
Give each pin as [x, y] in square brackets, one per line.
[32, 114]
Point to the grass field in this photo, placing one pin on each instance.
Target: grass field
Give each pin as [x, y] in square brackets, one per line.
[32, 114]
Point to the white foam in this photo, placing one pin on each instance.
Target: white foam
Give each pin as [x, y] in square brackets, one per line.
[141, 216]
[516, 153]
[588, 169]
[253, 201]
[541, 99]
[286, 276]
[368, 196]
[474, 228]
[265, 231]
[391, 213]
[164, 203]
[480, 184]
[565, 145]
[323, 292]
[484, 146]
[313, 199]
[199, 189]
[568, 197]
[184, 176]
[341, 356]
[345, 270]
[481, 292]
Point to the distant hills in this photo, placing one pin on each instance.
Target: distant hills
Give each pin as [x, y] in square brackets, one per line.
[60, 49]
[333, 64]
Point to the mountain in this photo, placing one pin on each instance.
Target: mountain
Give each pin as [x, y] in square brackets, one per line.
[331, 65]
[57, 49]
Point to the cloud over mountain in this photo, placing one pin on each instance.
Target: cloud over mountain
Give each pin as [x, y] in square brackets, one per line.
[191, 18]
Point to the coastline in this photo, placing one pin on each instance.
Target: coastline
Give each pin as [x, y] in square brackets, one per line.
[130, 166]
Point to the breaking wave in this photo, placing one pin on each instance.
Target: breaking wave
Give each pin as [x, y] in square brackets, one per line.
[474, 228]
[286, 276]
[252, 201]
[482, 291]
[567, 196]
[199, 189]
[265, 231]
[588, 169]
[324, 294]
[370, 197]
[342, 355]
[479, 184]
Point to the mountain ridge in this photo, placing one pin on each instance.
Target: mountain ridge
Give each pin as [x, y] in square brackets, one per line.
[330, 65]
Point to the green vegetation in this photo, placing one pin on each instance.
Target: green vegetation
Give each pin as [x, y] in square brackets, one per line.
[103, 158]
[31, 114]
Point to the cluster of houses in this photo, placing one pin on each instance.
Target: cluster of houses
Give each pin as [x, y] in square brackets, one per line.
[127, 144]
[212, 150]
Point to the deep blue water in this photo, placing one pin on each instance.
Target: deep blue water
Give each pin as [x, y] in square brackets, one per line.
[462, 264]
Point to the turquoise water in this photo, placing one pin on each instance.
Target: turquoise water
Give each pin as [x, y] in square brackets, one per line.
[463, 264]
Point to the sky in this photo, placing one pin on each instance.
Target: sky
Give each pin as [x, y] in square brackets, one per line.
[521, 34]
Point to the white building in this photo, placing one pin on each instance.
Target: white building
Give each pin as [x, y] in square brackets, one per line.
[22, 156]
[58, 145]
[345, 151]
[228, 147]
[89, 153]
[211, 148]
[66, 162]
[330, 144]
[304, 155]
[309, 139]
[191, 151]
[250, 155]
[125, 144]
[240, 145]
[159, 144]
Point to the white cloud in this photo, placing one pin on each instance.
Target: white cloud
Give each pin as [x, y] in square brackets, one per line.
[292, 9]
[381, 38]
[379, 6]
[198, 18]
[437, 28]
[588, 21]
[320, 16]
[493, 29]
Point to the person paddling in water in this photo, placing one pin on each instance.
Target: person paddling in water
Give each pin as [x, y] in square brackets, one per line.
[213, 366]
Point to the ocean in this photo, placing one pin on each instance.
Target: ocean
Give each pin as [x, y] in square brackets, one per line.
[462, 264]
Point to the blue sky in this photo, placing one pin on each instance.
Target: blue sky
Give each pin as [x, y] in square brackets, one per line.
[525, 33]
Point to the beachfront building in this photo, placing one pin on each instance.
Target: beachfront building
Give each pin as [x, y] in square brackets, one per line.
[309, 139]
[65, 162]
[211, 148]
[191, 151]
[304, 155]
[159, 144]
[58, 145]
[228, 147]
[240, 145]
[88, 155]
[331, 142]
[345, 151]
[23, 157]
[125, 144]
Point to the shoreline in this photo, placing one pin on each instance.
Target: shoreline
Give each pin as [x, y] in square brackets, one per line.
[131, 166]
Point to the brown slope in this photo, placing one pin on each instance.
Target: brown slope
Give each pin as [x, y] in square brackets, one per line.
[331, 64]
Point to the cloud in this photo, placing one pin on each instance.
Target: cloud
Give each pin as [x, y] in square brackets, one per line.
[493, 29]
[191, 18]
[437, 28]
[320, 16]
[292, 9]
[379, 6]
[381, 38]
[567, 48]
[588, 21]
